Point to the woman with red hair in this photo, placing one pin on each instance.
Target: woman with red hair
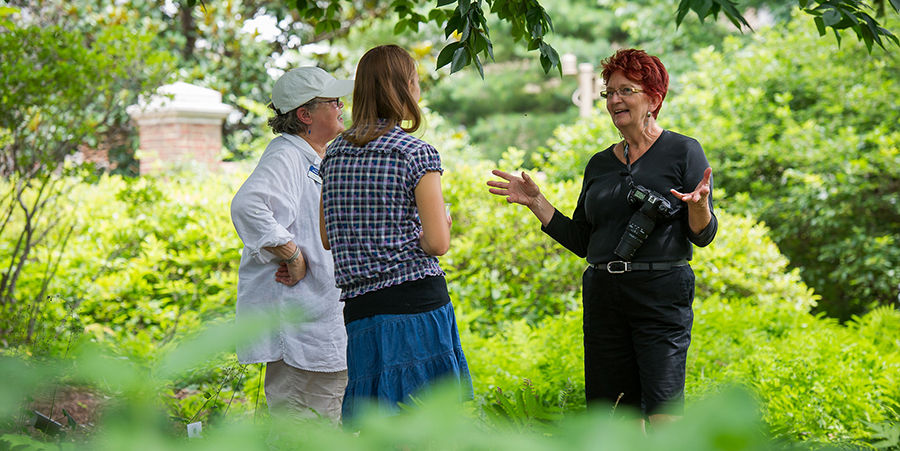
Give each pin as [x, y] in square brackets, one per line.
[644, 201]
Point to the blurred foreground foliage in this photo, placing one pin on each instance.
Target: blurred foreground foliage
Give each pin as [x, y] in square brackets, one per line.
[437, 421]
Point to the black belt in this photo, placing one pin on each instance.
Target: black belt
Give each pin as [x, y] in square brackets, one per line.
[618, 267]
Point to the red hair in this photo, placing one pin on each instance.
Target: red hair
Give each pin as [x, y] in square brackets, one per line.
[641, 68]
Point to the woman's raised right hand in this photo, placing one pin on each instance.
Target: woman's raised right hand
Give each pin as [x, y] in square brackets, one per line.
[520, 190]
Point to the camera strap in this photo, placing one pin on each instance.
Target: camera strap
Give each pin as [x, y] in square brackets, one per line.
[628, 177]
[630, 180]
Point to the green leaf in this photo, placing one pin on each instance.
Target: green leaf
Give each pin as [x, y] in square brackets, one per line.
[734, 15]
[446, 55]
[867, 38]
[463, 7]
[332, 9]
[478, 66]
[820, 26]
[467, 29]
[703, 8]
[545, 63]
[441, 3]
[552, 56]
[321, 27]
[683, 9]
[547, 20]
[887, 34]
[401, 24]
[460, 59]
[452, 23]
[831, 17]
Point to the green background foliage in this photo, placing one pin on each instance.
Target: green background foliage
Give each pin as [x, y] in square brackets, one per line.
[136, 292]
[803, 134]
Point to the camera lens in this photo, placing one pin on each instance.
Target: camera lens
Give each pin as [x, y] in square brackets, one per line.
[639, 228]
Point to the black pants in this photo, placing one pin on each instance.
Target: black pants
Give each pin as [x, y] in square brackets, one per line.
[637, 329]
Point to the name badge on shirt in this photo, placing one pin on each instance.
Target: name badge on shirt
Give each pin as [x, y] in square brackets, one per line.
[313, 173]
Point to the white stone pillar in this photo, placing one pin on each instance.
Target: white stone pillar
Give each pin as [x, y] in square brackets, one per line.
[586, 88]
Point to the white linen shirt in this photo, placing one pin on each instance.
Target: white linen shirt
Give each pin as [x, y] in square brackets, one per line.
[279, 203]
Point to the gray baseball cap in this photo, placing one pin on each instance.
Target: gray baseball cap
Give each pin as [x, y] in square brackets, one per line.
[300, 85]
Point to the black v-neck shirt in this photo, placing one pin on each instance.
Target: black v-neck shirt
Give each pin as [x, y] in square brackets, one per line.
[599, 220]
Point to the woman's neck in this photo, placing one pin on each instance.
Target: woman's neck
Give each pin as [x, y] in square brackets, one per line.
[317, 144]
[639, 141]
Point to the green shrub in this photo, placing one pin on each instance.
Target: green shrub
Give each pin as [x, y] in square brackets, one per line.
[153, 257]
[500, 263]
[802, 134]
[150, 260]
[817, 380]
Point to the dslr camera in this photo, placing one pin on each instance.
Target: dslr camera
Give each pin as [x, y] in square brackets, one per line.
[651, 207]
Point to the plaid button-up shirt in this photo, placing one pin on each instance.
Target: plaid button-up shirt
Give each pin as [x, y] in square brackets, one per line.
[371, 217]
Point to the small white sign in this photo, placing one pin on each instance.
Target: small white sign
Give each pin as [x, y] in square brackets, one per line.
[195, 429]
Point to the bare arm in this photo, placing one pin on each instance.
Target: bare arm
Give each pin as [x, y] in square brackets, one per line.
[322, 232]
[522, 190]
[435, 239]
[288, 273]
[698, 203]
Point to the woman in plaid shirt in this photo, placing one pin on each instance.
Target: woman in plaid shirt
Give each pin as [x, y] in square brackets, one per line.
[383, 217]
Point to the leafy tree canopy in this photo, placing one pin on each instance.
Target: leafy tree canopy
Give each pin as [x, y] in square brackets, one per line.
[529, 21]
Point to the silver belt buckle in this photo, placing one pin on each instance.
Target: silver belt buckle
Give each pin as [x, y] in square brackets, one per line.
[617, 267]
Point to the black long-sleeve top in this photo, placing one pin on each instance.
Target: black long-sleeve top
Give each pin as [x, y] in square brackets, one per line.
[602, 213]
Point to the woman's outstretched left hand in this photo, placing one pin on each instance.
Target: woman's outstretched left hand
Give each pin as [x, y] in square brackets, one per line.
[697, 198]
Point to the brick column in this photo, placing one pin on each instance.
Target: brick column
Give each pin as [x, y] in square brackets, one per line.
[181, 123]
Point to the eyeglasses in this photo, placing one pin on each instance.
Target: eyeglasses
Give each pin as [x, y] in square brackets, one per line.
[622, 92]
[336, 103]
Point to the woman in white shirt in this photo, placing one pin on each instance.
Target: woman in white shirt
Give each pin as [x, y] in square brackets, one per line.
[284, 268]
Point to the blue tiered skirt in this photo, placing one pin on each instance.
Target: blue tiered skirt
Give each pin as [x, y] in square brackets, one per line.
[390, 357]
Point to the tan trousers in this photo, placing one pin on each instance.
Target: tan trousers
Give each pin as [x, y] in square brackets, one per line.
[302, 394]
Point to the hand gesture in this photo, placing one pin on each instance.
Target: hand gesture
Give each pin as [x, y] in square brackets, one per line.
[291, 273]
[697, 198]
[520, 190]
